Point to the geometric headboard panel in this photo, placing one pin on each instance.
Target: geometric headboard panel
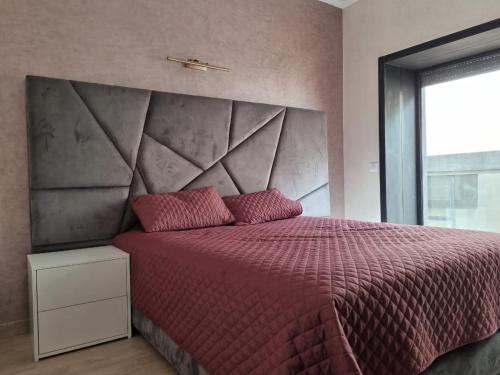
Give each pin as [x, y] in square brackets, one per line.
[92, 146]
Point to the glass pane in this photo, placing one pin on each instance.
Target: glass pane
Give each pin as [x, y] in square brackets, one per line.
[461, 151]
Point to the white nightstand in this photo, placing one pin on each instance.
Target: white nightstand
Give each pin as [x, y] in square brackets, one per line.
[78, 298]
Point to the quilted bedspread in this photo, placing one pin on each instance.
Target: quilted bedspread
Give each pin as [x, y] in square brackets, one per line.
[316, 295]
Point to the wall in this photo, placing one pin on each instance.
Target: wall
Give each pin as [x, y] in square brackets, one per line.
[285, 52]
[374, 28]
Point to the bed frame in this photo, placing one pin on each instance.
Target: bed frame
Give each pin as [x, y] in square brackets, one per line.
[92, 146]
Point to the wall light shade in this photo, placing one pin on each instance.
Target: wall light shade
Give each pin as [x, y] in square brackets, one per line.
[197, 65]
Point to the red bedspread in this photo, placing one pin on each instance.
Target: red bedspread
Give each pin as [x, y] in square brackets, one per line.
[313, 295]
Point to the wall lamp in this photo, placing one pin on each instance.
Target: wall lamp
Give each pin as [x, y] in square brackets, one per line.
[196, 64]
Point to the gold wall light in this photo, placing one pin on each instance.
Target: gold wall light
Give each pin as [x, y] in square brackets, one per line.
[196, 64]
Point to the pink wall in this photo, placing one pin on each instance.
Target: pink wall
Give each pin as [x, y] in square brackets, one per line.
[285, 52]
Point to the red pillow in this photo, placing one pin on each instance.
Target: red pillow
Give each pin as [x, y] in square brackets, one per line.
[181, 210]
[262, 206]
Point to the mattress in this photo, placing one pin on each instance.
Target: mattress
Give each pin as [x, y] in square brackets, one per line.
[316, 295]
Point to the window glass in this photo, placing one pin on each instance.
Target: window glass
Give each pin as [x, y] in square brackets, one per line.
[461, 152]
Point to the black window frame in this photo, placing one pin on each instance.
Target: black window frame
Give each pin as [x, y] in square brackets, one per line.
[383, 63]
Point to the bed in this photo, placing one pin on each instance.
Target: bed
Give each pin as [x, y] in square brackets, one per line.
[316, 295]
[307, 295]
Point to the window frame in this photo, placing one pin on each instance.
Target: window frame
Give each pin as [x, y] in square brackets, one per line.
[388, 60]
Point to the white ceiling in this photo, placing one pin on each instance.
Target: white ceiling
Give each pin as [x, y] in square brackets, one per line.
[339, 3]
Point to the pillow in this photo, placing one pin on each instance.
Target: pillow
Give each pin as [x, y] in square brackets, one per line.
[262, 206]
[181, 210]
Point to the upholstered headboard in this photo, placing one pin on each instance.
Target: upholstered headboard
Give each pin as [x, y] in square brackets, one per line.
[92, 146]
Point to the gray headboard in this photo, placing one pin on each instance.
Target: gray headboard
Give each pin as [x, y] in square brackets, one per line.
[92, 146]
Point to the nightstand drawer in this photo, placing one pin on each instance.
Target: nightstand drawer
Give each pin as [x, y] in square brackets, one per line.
[76, 284]
[82, 324]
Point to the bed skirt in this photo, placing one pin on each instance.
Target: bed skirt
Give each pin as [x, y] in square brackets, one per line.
[166, 346]
[481, 358]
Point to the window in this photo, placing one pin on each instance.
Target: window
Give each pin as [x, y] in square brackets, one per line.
[452, 191]
[461, 145]
[439, 131]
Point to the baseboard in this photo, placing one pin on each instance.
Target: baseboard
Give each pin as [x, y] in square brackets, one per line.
[17, 327]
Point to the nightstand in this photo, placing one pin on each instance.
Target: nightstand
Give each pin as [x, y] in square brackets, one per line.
[78, 298]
